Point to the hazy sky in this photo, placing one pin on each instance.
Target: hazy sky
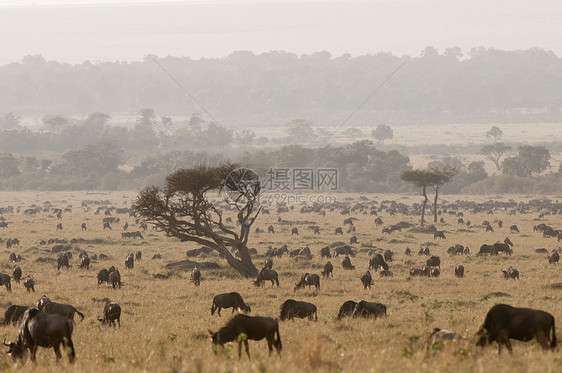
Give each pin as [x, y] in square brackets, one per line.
[128, 30]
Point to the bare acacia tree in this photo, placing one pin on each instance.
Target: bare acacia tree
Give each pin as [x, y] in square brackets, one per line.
[495, 151]
[184, 209]
[441, 176]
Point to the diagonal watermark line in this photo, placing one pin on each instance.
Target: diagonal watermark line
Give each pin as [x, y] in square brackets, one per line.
[367, 100]
[201, 106]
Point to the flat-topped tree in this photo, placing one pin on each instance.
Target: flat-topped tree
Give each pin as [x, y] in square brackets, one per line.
[442, 176]
[183, 209]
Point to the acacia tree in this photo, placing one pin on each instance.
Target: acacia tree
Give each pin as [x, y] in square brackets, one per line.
[441, 177]
[494, 133]
[382, 132]
[184, 209]
[495, 151]
[529, 160]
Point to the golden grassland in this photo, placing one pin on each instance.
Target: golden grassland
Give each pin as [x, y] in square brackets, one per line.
[164, 322]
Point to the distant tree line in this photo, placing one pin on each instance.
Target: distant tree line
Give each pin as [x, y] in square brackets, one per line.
[485, 85]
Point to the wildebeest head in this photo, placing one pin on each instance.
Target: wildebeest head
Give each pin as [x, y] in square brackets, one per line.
[482, 337]
[15, 349]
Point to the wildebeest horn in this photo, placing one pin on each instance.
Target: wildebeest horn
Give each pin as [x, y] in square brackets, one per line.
[211, 332]
[5, 344]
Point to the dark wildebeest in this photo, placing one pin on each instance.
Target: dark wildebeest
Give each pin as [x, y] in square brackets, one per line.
[434, 261]
[84, 226]
[292, 308]
[103, 276]
[438, 336]
[316, 230]
[368, 309]
[353, 240]
[487, 249]
[511, 273]
[6, 280]
[439, 234]
[388, 255]
[325, 252]
[502, 247]
[328, 269]
[377, 261]
[196, 276]
[504, 322]
[14, 314]
[385, 273]
[106, 225]
[16, 273]
[59, 227]
[62, 261]
[29, 284]
[434, 272]
[347, 309]
[423, 251]
[514, 228]
[378, 221]
[115, 278]
[45, 330]
[253, 328]
[130, 261]
[270, 229]
[103, 256]
[267, 274]
[416, 272]
[268, 263]
[459, 271]
[111, 313]
[46, 305]
[507, 241]
[84, 262]
[339, 230]
[408, 251]
[228, 300]
[489, 228]
[343, 250]
[346, 263]
[367, 280]
[308, 280]
[295, 230]
[553, 258]
[138, 255]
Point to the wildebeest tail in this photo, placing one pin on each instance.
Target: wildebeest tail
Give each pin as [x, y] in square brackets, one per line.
[553, 343]
[213, 308]
[80, 313]
[277, 341]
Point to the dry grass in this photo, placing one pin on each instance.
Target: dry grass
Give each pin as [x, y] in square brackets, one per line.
[165, 321]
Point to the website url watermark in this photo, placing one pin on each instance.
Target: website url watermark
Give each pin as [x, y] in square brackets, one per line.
[293, 198]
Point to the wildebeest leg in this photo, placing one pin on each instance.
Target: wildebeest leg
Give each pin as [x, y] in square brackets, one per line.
[270, 343]
[508, 345]
[239, 350]
[57, 351]
[32, 352]
[219, 311]
[542, 339]
[247, 346]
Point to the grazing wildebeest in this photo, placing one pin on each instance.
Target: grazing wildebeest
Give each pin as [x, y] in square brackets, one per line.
[59, 227]
[14, 314]
[130, 261]
[103, 276]
[308, 280]
[45, 330]
[316, 230]
[346, 263]
[388, 255]
[103, 257]
[62, 261]
[514, 228]
[487, 249]
[416, 272]
[106, 225]
[423, 251]
[369, 309]
[16, 273]
[111, 314]
[434, 261]
[408, 251]
[434, 272]
[328, 269]
[343, 250]
[6, 280]
[467, 251]
[339, 230]
[84, 262]
[511, 273]
[138, 255]
[439, 234]
[3, 224]
[504, 322]
[267, 274]
[228, 300]
[502, 247]
[438, 336]
[459, 271]
[460, 221]
[367, 280]
[353, 240]
[292, 308]
[46, 305]
[295, 230]
[489, 228]
[84, 226]
[253, 328]
[268, 263]
[386, 273]
[270, 229]
[29, 284]
[115, 278]
[553, 258]
[377, 261]
[325, 252]
[347, 309]
[196, 276]
[507, 241]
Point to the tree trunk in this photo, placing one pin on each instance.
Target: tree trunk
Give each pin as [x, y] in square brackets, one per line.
[244, 266]
[435, 205]
[498, 164]
[423, 205]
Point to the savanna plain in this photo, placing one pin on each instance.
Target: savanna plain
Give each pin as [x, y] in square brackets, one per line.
[165, 317]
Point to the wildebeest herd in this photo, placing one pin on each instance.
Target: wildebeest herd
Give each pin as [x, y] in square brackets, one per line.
[299, 270]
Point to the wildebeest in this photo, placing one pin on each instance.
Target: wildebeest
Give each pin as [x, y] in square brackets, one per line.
[502, 247]
[308, 280]
[253, 328]
[45, 330]
[388, 255]
[367, 280]
[553, 258]
[328, 269]
[102, 256]
[268, 263]
[438, 336]
[423, 251]
[130, 261]
[511, 273]
[267, 274]
[325, 252]
[347, 309]
[195, 276]
[59, 227]
[16, 273]
[14, 314]
[84, 226]
[111, 314]
[416, 272]
[29, 284]
[489, 228]
[439, 234]
[369, 309]
[514, 228]
[378, 221]
[339, 230]
[459, 271]
[84, 262]
[434, 272]
[386, 273]
[115, 278]
[487, 249]
[6, 280]
[46, 305]
[228, 300]
[295, 230]
[343, 250]
[377, 261]
[408, 251]
[353, 240]
[292, 308]
[434, 261]
[103, 276]
[106, 225]
[504, 322]
[346, 263]
[270, 229]
[62, 261]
